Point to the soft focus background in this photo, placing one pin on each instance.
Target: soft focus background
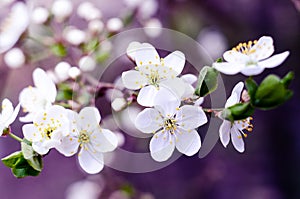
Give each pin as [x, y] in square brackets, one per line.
[268, 169]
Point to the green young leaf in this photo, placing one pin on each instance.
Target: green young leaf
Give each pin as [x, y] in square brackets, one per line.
[207, 81]
[23, 169]
[12, 159]
[287, 79]
[65, 92]
[33, 159]
[59, 50]
[272, 92]
[251, 86]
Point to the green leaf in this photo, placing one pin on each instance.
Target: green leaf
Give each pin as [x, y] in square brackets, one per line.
[287, 79]
[207, 81]
[272, 92]
[33, 159]
[91, 46]
[65, 92]
[12, 159]
[251, 86]
[59, 50]
[23, 169]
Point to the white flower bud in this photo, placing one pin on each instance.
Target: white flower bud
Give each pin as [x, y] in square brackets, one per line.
[118, 104]
[96, 26]
[87, 63]
[74, 36]
[61, 70]
[147, 9]
[62, 9]
[114, 24]
[14, 58]
[88, 11]
[153, 27]
[74, 72]
[40, 15]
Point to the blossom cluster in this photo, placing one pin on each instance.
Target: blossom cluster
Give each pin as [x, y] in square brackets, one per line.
[59, 106]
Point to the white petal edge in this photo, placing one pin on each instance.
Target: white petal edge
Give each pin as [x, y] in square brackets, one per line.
[90, 162]
[131, 49]
[88, 118]
[176, 61]
[251, 70]
[45, 84]
[274, 61]
[237, 139]
[188, 143]
[224, 132]
[228, 68]
[146, 96]
[190, 117]
[146, 54]
[235, 95]
[162, 146]
[103, 140]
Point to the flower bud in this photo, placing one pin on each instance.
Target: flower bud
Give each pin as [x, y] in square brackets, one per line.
[96, 26]
[114, 25]
[14, 58]
[61, 70]
[62, 9]
[40, 15]
[74, 36]
[118, 104]
[88, 11]
[74, 72]
[153, 27]
[87, 63]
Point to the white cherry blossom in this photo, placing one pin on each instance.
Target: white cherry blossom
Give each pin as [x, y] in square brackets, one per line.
[173, 126]
[37, 98]
[13, 26]
[251, 58]
[48, 129]
[8, 114]
[236, 129]
[93, 140]
[152, 72]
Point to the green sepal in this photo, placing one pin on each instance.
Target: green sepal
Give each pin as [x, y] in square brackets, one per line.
[251, 86]
[207, 81]
[65, 92]
[59, 50]
[34, 159]
[287, 79]
[239, 111]
[272, 92]
[12, 159]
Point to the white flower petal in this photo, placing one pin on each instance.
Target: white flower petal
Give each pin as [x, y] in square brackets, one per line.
[190, 117]
[146, 95]
[189, 78]
[131, 49]
[2, 127]
[133, 79]
[237, 139]
[40, 148]
[13, 116]
[27, 118]
[89, 118]
[149, 120]
[162, 146]
[274, 61]
[251, 70]
[188, 143]
[68, 146]
[45, 84]
[224, 132]
[90, 162]
[176, 85]
[30, 133]
[235, 95]
[7, 110]
[262, 49]
[229, 68]
[233, 56]
[103, 140]
[176, 61]
[166, 101]
[146, 54]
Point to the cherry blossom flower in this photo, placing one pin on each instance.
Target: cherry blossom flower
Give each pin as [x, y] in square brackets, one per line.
[93, 140]
[153, 72]
[37, 98]
[251, 58]
[236, 129]
[8, 114]
[62, 9]
[48, 129]
[172, 126]
[13, 26]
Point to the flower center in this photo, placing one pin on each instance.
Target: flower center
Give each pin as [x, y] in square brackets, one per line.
[245, 48]
[170, 125]
[246, 124]
[84, 137]
[48, 132]
[154, 78]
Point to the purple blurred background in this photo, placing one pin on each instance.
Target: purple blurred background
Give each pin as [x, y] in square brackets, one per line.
[268, 169]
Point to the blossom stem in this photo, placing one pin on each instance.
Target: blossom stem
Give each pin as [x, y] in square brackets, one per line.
[15, 137]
